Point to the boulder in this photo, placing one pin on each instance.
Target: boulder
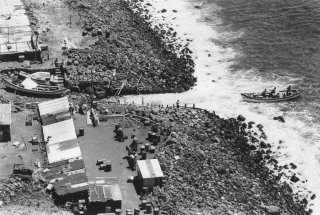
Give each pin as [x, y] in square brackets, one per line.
[279, 118]
[241, 118]
[294, 178]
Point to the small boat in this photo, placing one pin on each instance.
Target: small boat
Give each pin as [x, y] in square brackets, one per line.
[257, 97]
[40, 90]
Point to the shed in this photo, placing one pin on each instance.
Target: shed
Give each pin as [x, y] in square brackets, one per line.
[5, 122]
[71, 183]
[149, 172]
[105, 193]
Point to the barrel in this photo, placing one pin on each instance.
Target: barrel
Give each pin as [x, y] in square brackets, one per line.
[156, 211]
[157, 138]
[153, 136]
[128, 211]
[142, 148]
[143, 156]
[143, 204]
[150, 136]
[149, 208]
[136, 211]
[108, 166]
[118, 211]
[102, 166]
[100, 161]
[81, 131]
[152, 149]
[147, 146]
[108, 209]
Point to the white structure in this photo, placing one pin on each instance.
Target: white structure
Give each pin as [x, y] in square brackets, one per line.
[63, 143]
[149, 172]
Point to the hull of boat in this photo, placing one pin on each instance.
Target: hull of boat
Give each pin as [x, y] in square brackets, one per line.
[248, 97]
[57, 93]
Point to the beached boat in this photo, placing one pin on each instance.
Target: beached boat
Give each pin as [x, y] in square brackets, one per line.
[257, 97]
[40, 90]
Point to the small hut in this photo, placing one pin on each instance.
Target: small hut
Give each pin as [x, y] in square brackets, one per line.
[149, 172]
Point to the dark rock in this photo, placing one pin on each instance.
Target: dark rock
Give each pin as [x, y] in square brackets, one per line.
[293, 166]
[279, 118]
[263, 145]
[241, 118]
[294, 178]
[221, 170]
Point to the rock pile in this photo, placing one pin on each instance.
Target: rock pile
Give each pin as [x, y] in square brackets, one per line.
[17, 191]
[222, 166]
[127, 48]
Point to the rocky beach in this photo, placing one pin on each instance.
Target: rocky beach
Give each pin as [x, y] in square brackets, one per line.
[126, 49]
[217, 166]
[213, 165]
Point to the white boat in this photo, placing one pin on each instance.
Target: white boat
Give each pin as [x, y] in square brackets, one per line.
[257, 97]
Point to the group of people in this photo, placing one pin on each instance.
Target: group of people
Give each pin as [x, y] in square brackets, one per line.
[274, 94]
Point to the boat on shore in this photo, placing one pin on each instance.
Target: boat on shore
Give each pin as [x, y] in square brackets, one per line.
[40, 90]
[257, 97]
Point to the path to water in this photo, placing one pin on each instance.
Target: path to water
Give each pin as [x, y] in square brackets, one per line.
[218, 89]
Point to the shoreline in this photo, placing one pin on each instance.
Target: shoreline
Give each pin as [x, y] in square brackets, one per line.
[146, 63]
[234, 165]
[286, 189]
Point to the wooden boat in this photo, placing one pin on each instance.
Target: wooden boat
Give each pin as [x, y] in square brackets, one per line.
[257, 97]
[41, 90]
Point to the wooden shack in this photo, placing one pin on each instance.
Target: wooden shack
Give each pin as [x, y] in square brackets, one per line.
[149, 172]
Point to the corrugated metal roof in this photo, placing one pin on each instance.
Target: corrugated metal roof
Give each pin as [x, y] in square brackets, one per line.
[54, 106]
[63, 167]
[150, 168]
[60, 151]
[59, 132]
[103, 193]
[5, 114]
[71, 184]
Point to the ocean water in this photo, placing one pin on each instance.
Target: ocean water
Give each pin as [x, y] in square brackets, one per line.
[249, 45]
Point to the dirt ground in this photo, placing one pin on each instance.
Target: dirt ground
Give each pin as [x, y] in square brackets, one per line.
[10, 155]
[98, 142]
[54, 21]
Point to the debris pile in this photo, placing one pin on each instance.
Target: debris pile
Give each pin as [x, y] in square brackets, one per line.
[127, 48]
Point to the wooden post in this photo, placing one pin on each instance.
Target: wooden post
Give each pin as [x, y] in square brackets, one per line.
[194, 106]
[70, 15]
[185, 105]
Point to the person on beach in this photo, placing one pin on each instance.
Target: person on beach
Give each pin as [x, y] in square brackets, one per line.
[178, 103]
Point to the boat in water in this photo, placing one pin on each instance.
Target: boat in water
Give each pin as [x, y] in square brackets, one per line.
[281, 97]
